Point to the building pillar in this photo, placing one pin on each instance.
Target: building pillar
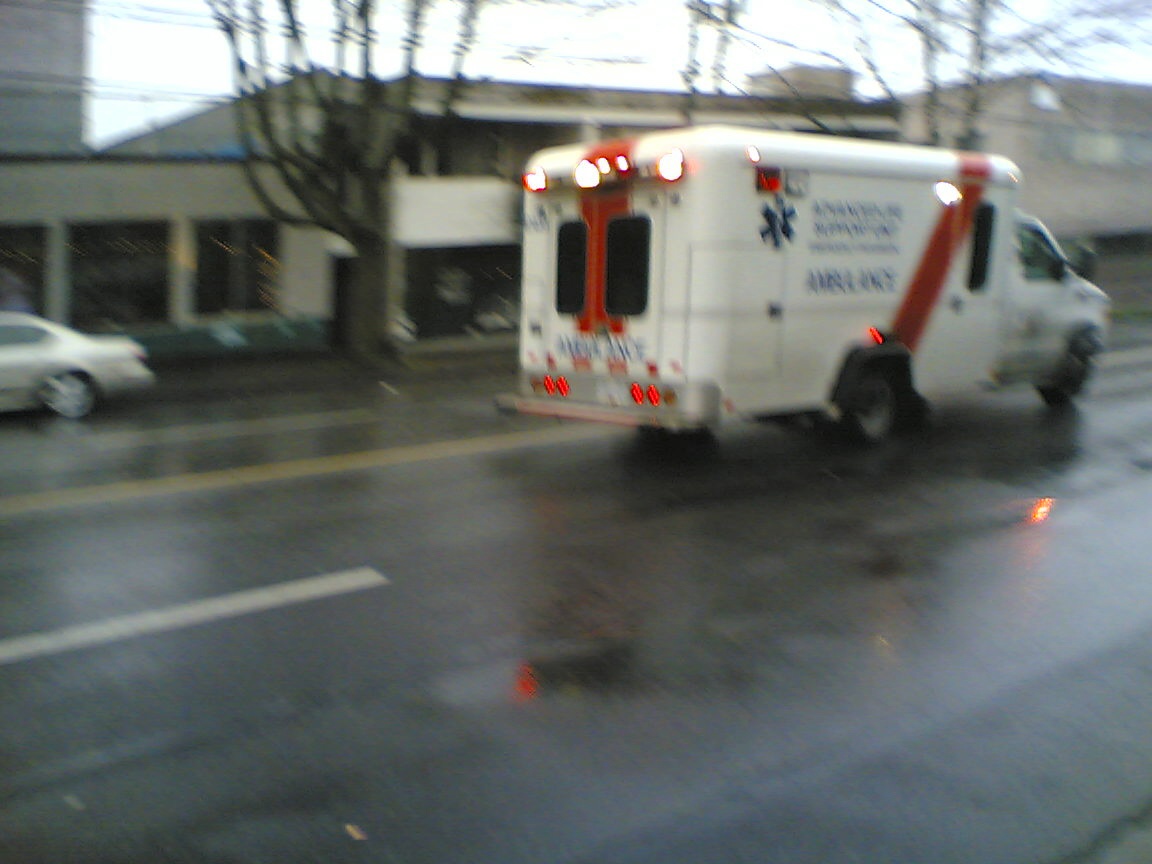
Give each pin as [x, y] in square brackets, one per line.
[58, 273]
[182, 271]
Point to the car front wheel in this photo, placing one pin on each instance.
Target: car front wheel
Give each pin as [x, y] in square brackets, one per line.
[69, 394]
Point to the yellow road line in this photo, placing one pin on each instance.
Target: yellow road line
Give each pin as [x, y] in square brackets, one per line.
[230, 478]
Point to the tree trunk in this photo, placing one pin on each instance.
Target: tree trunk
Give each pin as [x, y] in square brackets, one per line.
[361, 326]
[378, 288]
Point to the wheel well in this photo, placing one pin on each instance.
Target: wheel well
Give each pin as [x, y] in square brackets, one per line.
[1086, 341]
[83, 374]
[894, 363]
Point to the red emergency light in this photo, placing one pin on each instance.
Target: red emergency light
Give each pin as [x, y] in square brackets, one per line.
[535, 180]
[769, 179]
[670, 166]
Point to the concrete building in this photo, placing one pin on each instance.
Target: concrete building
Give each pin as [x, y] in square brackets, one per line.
[1085, 151]
[43, 51]
[161, 237]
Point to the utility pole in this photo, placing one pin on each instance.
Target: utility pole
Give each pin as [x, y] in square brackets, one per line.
[972, 137]
[723, 15]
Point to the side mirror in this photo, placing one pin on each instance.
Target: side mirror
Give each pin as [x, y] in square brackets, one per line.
[1057, 267]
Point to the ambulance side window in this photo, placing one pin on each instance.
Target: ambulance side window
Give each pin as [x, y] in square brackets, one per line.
[571, 253]
[981, 247]
[1040, 260]
[628, 250]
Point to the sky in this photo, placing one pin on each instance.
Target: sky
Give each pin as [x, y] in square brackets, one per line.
[153, 60]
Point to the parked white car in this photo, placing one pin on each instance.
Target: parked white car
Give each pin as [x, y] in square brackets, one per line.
[44, 364]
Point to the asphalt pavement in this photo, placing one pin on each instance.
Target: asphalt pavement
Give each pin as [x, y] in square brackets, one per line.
[448, 374]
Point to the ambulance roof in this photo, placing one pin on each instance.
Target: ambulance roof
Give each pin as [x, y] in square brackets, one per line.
[786, 150]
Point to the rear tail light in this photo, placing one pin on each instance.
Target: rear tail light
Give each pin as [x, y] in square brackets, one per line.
[652, 395]
[649, 394]
[553, 385]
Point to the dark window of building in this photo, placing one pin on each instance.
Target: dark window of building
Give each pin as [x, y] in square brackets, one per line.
[981, 247]
[571, 258]
[453, 291]
[119, 274]
[628, 249]
[22, 253]
[237, 268]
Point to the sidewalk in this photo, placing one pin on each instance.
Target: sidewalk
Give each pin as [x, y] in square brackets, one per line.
[451, 364]
[244, 375]
[1130, 333]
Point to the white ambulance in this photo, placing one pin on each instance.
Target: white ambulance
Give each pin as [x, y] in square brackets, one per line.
[679, 278]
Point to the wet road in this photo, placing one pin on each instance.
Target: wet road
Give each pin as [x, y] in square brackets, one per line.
[323, 617]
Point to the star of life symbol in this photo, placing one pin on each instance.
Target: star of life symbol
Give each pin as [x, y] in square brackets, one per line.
[778, 216]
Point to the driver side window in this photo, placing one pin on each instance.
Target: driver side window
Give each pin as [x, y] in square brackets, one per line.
[1039, 259]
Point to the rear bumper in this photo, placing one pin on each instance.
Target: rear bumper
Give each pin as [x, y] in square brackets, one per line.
[598, 399]
[511, 403]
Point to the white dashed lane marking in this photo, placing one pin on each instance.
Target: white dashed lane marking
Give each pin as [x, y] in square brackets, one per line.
[33, 645]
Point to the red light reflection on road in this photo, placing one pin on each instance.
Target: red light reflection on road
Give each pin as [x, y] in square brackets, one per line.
[1041, 510]
[527, 685]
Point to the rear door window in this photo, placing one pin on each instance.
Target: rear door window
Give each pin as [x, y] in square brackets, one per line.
[571, 258]
[628, 250]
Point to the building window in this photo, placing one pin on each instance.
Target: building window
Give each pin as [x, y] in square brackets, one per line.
[1104, 149]
[237, 267]
[465, 290]
[22, 268]
[119, 274]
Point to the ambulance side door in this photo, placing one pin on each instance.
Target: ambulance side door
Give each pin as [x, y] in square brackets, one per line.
[962, 346]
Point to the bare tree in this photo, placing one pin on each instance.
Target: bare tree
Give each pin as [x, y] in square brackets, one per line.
[970, 42]
[321, 137]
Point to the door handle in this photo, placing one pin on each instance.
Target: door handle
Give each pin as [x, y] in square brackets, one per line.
[775, 310]
[956, 304]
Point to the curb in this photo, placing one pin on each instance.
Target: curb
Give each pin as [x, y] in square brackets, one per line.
[1124, 358]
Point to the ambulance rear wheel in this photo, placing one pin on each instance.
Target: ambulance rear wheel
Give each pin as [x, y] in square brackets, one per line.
[872, 409]
[680, 442]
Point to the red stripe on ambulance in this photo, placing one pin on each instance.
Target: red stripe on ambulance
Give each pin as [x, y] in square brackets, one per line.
[598, 207]
[952, 228]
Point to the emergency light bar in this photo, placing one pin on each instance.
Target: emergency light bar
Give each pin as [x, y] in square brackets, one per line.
[535, 180]
[591, 174]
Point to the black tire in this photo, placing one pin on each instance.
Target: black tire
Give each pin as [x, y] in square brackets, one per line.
[1068, 383]
[69, 394]
[871, 411]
